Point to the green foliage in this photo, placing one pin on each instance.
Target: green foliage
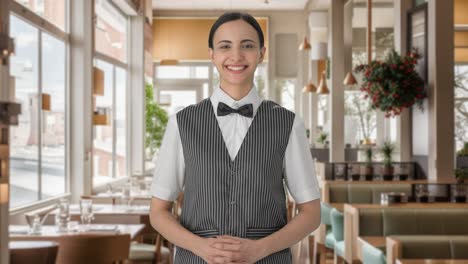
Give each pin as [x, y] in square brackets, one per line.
[322, 138]
[393, 84]
[463, 151]
[461, 174]
[156, 120]
[368, 153]
[387, 150]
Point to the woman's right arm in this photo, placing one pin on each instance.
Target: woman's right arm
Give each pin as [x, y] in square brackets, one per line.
[167, 225]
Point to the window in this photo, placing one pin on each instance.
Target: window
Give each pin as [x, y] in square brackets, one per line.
[38, 143]
[360, 119]
[110, 30]
[110, 151]
[51, 10]
[461, 105]
[109, 145]
[286, 88]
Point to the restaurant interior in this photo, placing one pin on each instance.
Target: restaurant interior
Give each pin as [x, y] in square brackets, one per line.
[86, 89]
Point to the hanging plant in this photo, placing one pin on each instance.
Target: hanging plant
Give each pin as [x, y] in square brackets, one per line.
[393, 84]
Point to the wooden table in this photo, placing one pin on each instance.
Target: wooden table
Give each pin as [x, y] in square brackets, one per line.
[432, 261]
[351, 220]
[19, 232]
[375, 241]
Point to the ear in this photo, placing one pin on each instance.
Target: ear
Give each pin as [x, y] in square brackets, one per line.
[211, 53]
[262, 54]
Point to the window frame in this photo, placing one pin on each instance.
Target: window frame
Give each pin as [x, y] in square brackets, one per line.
[42, 25]
[114, 62]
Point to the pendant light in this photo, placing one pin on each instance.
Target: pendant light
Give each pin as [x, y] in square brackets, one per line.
[305, 45]
[309, 88]
[350, 79]
[323, 88]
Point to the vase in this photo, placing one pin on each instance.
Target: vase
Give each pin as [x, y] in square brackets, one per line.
[387, 173]
[368, 172]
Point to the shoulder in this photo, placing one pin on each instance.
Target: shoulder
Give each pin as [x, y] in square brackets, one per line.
[278, 109]
[194, 108]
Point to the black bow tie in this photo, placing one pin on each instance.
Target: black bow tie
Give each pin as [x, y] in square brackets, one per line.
[245, 110]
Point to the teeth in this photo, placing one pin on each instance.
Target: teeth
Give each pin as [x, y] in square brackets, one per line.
[235, 68]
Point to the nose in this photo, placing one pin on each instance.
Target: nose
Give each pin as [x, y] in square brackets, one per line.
[237, 53]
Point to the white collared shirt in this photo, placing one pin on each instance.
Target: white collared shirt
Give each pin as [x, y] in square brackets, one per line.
[168, 179]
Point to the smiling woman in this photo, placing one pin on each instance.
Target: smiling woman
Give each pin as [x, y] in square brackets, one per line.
[231, 154]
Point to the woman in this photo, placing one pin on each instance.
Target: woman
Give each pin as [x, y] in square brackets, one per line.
[230, 154]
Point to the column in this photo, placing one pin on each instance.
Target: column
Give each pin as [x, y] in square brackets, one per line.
[441, 92]
[137, 98]
[336, 96]
[403, 128]
[81, 85]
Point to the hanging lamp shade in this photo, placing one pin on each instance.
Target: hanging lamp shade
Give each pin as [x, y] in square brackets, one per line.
[309, 88]
[323, 88]
[305, 45]
[349, 79]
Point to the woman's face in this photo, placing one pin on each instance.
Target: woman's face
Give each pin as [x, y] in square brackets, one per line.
[236, 53]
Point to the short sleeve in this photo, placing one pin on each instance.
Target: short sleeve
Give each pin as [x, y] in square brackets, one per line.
[299, 166]
[169, 172]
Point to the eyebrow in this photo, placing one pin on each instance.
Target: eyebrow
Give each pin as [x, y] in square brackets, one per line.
[228, 41]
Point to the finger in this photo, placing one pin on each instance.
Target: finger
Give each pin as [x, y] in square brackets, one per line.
[228, 239]
[221, 260]
[229, 247]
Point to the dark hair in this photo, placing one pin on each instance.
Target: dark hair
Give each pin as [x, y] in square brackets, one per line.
[231, 16]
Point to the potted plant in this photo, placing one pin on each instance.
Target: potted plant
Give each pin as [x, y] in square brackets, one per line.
[393, 84]
[367, 169]
[462, 156]
[322, 139]
[387, 151]
[461, 174]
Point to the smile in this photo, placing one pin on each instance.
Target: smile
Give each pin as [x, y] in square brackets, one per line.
[236, 69]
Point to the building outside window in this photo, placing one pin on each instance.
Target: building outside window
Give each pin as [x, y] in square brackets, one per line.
[38, 151]
[110, 152]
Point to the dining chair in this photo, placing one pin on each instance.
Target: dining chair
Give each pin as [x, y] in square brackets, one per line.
[98, 248]
[159, 250]
[42, 252]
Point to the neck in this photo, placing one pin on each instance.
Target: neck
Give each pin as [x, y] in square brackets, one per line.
[236, 92]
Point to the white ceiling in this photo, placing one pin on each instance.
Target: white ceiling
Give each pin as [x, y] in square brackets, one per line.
[229, 4]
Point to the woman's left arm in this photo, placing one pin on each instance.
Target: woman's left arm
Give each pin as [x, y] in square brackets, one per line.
[300, 226]
[250, 251]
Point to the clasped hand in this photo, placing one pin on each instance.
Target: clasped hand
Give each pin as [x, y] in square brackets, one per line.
[229, 249]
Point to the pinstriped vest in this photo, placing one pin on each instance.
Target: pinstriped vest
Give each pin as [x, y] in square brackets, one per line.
[243, 197]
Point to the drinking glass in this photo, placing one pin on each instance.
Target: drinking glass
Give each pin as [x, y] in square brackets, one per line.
[63, 215]
[86, 212]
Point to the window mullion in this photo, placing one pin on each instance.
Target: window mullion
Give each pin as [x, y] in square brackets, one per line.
[114, 130]
[39, 114]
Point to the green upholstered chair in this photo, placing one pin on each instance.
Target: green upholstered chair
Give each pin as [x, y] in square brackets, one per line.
[415, 223]
[337, 223]
[430, 247]
[373, 255]
[325, 210]
[364, 193]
